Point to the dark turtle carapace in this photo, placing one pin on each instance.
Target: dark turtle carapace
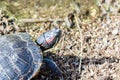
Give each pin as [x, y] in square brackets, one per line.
[21, 58]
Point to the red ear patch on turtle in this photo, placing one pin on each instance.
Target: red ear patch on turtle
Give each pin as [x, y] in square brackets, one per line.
[49, 41]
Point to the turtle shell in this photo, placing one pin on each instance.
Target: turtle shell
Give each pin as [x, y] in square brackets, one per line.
[20, 57]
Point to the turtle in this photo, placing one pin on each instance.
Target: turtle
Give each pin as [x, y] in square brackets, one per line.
[21, 58]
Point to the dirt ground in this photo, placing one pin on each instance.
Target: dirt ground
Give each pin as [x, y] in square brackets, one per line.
[90, 41]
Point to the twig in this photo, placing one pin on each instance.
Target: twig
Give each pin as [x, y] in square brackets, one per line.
[78, 24]
[81, 40]
[29, 20]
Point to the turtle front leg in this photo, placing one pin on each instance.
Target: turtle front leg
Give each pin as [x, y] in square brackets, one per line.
[49, 67]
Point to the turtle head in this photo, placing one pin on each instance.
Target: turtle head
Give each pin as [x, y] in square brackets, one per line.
[49, 39]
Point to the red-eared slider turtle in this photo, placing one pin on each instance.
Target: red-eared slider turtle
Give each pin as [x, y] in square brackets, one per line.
[21, 58]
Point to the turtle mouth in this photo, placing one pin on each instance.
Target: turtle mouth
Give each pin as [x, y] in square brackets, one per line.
[57, 40]
[57, 35]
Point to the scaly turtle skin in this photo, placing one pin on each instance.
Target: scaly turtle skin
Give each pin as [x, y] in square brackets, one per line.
[21, 58]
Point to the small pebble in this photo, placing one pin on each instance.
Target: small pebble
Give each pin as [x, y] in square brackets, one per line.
[115, 31]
